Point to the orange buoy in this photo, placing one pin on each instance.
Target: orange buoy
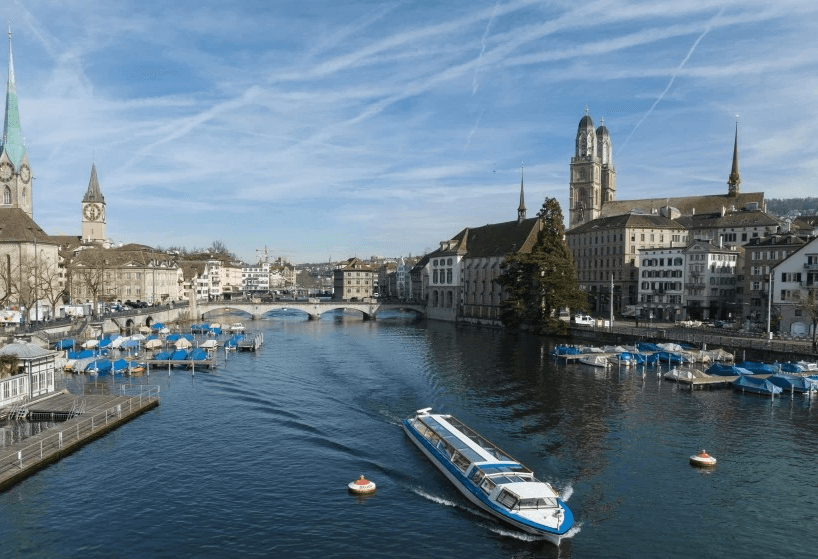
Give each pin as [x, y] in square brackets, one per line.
[361, 486]
[703, 460]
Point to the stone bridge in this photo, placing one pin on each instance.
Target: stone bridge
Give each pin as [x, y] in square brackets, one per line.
[312, 309]
[132, 320]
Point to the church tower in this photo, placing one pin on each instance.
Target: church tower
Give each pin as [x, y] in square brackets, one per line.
[93, 211]
[604, 150]
[15, 174]
[585, 186]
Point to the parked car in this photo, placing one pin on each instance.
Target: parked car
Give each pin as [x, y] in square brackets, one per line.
[583, 320]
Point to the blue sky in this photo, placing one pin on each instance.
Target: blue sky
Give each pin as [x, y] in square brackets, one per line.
[325, 129]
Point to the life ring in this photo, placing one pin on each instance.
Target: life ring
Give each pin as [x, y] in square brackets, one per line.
[361, 486]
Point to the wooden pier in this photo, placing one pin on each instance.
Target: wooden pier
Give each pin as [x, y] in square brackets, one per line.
[169, 364]
[91, 416]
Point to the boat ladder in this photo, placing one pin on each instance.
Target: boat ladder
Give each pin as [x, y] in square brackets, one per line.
[78, 408]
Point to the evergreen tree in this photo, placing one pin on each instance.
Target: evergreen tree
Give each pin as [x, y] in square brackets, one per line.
[540, 282]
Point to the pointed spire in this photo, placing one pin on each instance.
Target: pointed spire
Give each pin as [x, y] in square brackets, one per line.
[735, 179]
[521, 208]
[93, 194]
[12, 141]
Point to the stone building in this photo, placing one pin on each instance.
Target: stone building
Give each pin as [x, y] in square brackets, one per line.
[352, 280]
[661, 283]
[761, 256]
[711, 281]
[606, 250]
[795, 281]
[592, 173]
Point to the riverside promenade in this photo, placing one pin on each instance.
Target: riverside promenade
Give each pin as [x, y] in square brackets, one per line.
[89, 417]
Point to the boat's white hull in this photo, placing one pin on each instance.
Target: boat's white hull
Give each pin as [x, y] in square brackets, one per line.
[553, 538]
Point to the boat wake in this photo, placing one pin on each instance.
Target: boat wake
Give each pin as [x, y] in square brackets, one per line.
[522, 536]
[435, 499]
[573, 531]
[566, 493]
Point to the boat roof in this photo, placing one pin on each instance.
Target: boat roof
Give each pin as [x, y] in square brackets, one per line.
[469, 447]
[529, 490]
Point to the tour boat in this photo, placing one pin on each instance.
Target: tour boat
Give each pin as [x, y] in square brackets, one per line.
[489, 477]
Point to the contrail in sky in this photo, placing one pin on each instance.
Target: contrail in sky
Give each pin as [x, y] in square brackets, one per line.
[672, 79]
[473, 130]
[474, 83]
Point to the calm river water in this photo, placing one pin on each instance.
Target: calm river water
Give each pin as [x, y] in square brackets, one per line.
[253, 459]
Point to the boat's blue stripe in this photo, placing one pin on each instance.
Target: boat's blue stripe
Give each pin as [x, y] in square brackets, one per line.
[568, 517]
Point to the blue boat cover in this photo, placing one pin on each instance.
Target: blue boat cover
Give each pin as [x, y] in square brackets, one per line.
[797, 384]
[173, 337]
[157, 326]
[100, 365]
[756, 385]
[152, 337]
[105, 343]
[120, 365]
[197, 354]
[130, 343]
[757, 368]
[564, 350]
[179, 355]
[645, 346]
[163, 355]
[722, 370]
[64, 344]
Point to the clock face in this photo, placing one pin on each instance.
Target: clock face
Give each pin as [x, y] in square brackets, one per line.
[92, 212]
[25, 173]
[6, 171]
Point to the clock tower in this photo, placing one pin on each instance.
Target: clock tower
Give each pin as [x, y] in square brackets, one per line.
[93, 211]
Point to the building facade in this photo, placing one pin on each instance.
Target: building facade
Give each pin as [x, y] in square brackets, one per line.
[352, 280]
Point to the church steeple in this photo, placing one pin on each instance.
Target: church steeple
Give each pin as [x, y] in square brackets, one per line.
[521, 208]
[93, 194]
[735, 179]
[12, 142]
[15, 174]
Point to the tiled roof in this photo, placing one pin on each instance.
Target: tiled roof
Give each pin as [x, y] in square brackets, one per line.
[498, 239]
[687, 205]
[628, 220]
[17, 227]
[747, 218]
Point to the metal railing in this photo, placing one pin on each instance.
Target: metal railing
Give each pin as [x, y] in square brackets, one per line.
[83, 427]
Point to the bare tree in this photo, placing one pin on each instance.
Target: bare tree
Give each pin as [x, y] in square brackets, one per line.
[6, 280]
[806, 300]
[48, 283]
[88, 274]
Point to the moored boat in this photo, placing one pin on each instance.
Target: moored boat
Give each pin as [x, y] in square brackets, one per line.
[747, 383]
[237, 327]
[489, 477]
[595, 360]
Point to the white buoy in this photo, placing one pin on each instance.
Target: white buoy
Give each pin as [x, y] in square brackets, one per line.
[361, 486]
[703, 460]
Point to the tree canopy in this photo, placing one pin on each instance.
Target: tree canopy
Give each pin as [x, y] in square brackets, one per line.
[541, 282]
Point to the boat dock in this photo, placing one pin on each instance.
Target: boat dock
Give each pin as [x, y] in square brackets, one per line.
[89, 416]
[251, 342]
[192, 364]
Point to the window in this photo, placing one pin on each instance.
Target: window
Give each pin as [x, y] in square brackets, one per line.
[7, 195]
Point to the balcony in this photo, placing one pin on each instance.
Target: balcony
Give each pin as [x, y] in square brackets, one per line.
[811, 266]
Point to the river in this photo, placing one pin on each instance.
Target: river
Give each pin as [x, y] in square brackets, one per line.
[253, 459]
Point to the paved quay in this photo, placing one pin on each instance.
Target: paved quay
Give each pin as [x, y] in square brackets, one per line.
[90, 417]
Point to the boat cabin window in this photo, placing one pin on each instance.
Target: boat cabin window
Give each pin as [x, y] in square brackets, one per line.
[437, 431]
[488, 485]
[507, 499]
[477, 476]
[511, 478]
[540, 503]
[461, 462]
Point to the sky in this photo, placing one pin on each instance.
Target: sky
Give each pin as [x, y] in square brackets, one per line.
[323, 130]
